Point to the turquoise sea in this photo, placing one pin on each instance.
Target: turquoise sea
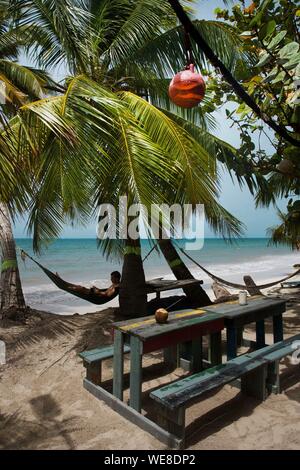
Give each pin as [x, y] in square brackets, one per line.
[80, 261]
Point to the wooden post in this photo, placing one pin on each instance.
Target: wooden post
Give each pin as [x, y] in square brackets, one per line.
[197, 355]
[260, 334]
[215, 348]
[277, 328]
[239, 336]
[172, 421]
[93, 372]
[136, 352]
[171, 356]
[118, 364]
[273, 379]
[231, 342]
[254, 384]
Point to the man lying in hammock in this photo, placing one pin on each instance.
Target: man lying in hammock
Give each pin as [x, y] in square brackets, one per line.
[115, 278]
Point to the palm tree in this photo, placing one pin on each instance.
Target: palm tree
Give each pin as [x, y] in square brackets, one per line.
[93, 145]
[101, 139]
[19, 84]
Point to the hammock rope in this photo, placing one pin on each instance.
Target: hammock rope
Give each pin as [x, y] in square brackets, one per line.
[93, 295]
[232, 284]
[85, 293]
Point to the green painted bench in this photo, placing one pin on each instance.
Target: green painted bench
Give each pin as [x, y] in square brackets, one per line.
[92, 361]
[258, 371]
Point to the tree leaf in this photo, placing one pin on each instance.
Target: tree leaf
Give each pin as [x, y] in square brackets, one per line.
[265, 58]
[289, 50]
[277, 39]
[267, 29]
[293, 62]
[271, 75]
[280, 77]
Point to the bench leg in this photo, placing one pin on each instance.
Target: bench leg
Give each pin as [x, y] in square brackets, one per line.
[118, 365]
[254, 384]
[93, 372]
[136, 373]
[273, 379]
[173, 421]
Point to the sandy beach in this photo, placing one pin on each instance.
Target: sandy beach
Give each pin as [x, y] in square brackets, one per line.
[44, 406]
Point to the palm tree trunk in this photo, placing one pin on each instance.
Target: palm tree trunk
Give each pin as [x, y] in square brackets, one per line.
[181, 272]
[132, 296]
[11, 294]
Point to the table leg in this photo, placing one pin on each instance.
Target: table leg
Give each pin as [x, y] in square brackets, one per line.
[260, 334]
[171, 356]
[277, 328]
[231, 342]
[136, 352]
[239, 333]
[215, 348]
[197, 355]
[118, 364]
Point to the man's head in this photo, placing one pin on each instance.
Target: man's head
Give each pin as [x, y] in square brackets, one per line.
[115, 277]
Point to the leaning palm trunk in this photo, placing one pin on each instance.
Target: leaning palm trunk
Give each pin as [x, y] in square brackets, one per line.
[11, 289]
[133, 297]
[181, 272]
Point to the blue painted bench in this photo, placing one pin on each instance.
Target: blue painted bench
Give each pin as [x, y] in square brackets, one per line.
[92, 361]
[258, 371]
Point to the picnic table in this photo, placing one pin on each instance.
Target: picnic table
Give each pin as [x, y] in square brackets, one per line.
[137, 337]
[145, 335]
[236, 316]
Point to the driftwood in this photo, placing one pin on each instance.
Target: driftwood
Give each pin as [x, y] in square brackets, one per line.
[251, 287]
[222, 294]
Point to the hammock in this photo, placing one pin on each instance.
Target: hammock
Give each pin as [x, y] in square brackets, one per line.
[91, 295]
[232, 284]
[79, 291]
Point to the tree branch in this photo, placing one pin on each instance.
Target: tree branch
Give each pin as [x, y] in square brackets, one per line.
[216, 62]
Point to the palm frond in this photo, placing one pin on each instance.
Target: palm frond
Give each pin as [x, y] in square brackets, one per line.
[165, 53]
[287, 233]
[144, 20]
[23, 78]
[58, 31]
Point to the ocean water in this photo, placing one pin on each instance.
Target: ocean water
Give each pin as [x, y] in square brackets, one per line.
[80, 261]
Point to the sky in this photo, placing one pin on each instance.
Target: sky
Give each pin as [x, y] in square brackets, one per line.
[236, 200]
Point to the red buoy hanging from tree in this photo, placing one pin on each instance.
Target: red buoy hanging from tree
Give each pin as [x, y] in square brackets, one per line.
[187, 88]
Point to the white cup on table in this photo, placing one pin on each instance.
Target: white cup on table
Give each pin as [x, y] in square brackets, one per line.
[243, 297]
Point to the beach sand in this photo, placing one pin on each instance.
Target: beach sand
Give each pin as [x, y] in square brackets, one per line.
[44, 406]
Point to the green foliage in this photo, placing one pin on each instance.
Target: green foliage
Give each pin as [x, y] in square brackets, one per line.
[269, 30]
[100, 137]
[92, 146]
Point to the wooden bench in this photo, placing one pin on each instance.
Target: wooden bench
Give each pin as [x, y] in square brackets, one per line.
[258, 370]
[92, 361]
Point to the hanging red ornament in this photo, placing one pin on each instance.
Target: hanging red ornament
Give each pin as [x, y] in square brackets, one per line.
[187, 88]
